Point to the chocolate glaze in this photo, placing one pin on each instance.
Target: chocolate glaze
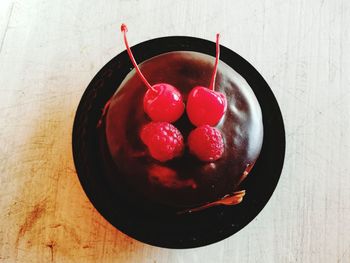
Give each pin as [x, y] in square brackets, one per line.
[183, 182]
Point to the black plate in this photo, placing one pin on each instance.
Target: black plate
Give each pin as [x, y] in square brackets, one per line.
[189, 230]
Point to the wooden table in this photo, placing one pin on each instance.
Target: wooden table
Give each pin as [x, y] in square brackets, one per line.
[51, 49]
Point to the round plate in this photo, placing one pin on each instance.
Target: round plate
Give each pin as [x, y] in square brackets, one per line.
[187, 230]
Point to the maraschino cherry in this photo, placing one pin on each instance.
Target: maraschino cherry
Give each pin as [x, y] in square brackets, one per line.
[162, 101]
[205, 105]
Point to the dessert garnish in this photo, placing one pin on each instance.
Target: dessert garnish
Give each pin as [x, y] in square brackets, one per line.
[163, 104]
[206, 143]
[163, 140]
[205, 105]
[162, 101]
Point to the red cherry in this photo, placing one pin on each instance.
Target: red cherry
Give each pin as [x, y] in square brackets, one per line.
[163, 105]
[162, 102]
[204, 105]
[206, 143]
[164, 141]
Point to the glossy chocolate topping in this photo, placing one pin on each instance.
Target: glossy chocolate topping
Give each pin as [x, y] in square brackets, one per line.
[184, 182]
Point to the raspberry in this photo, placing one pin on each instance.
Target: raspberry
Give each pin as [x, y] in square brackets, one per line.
[206, 143]
[164, 141]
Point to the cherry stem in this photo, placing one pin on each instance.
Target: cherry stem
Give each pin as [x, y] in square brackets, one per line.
[124, 29]
[212, 81]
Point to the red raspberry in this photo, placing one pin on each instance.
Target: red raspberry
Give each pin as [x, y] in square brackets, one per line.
[164, 141]
[206, 143]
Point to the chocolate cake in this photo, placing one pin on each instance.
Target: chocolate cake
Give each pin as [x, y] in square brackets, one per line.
[184, 183]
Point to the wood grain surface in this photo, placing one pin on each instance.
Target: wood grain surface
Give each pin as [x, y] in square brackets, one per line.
[51, 49]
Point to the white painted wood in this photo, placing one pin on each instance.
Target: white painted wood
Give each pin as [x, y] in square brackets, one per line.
[50, 50]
